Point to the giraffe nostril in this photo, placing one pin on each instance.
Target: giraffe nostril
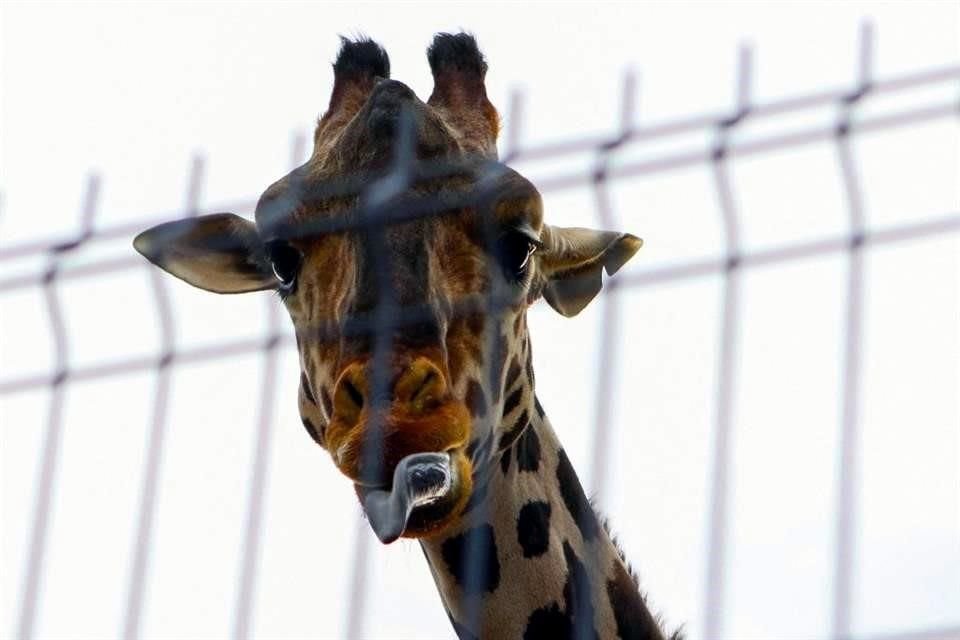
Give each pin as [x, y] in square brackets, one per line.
[425, 387]
[349, 396]
[421, 387]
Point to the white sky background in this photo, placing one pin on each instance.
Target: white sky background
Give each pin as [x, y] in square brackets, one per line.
[131, 92]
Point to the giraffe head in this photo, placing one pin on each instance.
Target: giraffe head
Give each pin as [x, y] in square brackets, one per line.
[409, 412]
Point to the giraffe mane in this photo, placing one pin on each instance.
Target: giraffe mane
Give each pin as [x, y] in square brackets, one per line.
[677, 634]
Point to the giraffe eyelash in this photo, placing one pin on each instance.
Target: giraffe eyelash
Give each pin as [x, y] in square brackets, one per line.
[285, 262]
[513, 251]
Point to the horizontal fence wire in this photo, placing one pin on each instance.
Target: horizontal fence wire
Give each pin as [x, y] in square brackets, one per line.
[384, 195]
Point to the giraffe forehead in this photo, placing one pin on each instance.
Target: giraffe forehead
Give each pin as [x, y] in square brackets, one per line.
[473, 199]
[414, 261]
[445, 256]
[367, 138]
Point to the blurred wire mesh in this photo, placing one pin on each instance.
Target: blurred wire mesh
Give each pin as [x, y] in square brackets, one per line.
[848, 121]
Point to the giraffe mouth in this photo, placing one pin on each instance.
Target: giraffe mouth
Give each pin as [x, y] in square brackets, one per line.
[419, 480]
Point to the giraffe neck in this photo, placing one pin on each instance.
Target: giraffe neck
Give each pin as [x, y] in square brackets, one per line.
[547, 567]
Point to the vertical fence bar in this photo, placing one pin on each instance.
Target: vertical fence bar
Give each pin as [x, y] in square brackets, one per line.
[714, 602]
[606, 363]
[48, 465]
[263, 441]
[198, 172]
[477, 549]
[262, 447]
[848, 460]
[357, 590]
[717, 547]
[374, 202]
[143, 536]
[49, 456]
[511, 147]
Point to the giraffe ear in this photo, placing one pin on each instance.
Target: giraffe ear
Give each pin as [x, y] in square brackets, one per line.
[573, 261]
[222, 253]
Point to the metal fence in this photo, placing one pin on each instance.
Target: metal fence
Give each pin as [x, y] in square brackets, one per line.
[733, 262]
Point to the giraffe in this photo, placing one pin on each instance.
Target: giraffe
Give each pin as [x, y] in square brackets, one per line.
[449, 445]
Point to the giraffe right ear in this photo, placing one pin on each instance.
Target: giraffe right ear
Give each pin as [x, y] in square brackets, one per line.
[573, 261]
[221, 252]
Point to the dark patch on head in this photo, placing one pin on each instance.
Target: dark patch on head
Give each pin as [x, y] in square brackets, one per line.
[305, 386]
[539, 408]
[471, 558]
[459, 629]
[505, 459]
[326, 401]
[458, 51]
[512, 374]
[312, 430]
[475, 322]
[513, 401]
[425, 333]
[476, 399]
[533, 528]
[528, 450]
[531, 379]
[633, 619]
[576, 618]
[574, 498]
[362, 56]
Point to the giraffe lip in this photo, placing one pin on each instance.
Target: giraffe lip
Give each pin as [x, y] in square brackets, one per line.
[419, 479]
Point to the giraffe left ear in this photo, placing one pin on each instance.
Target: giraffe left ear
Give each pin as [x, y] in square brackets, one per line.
[220, 252]
[573, 260]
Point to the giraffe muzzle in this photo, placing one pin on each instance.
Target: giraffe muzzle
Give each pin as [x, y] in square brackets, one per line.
[419, 480]
[406, 453]
[419, 388]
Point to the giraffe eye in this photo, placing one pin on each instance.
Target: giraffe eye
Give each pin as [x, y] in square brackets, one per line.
[514, 250]
[285, 261]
